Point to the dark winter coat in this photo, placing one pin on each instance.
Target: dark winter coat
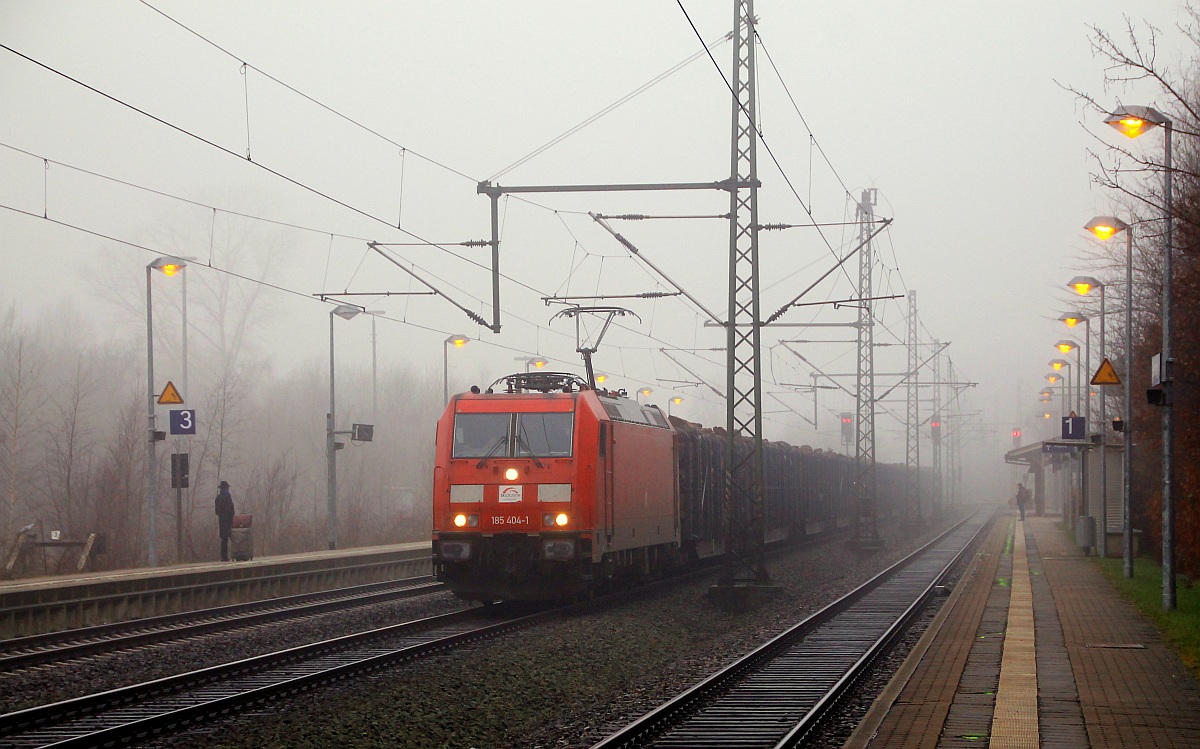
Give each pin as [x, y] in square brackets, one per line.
[225, 507]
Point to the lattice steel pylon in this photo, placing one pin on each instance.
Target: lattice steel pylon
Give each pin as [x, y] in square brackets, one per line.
[744, 561]
[912, 424]
[864, 443]
[937, 416]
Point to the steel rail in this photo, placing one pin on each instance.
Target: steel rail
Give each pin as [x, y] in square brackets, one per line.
[24, 652]
[803, 686]
[140, 710]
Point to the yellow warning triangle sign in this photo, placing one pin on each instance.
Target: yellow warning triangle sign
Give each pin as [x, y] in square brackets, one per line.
[1106, 375]
[170, 396]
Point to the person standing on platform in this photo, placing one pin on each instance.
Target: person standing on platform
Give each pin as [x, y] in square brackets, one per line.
[224, 517]
[1022, 498]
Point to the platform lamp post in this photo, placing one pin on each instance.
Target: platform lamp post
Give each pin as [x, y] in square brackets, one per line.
[169, 266]
[1065, 388]
[1071, 319]
[346, 312]
[1083, 285]
[643, 392]
[458, 341]
[1132, 121]
[1104, 228]
[676, 400]
[1066, 346]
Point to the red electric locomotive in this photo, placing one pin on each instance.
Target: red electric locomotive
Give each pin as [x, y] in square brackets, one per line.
[550, 488]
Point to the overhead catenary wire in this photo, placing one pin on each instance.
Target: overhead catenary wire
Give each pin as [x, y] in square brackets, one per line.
[606, 110]
[538, 327]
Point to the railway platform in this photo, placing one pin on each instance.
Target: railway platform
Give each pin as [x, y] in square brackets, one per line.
[44, 604]
[1034, 648]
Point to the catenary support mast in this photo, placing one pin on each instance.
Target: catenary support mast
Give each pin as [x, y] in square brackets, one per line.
[865, 530]
[913, 422]
[743, 561]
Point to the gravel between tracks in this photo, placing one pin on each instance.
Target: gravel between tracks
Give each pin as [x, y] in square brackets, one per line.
[563, 685]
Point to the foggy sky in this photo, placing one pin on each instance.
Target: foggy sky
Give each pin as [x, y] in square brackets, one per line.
[953, 111]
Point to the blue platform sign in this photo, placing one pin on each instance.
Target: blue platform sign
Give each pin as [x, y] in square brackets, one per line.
[1073, 428]
[183, 421]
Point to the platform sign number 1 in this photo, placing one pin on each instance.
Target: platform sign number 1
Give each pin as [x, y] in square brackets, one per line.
[183, 421]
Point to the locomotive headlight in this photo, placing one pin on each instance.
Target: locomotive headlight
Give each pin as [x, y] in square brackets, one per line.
[511, 474]
[550, 519]
[461, 520]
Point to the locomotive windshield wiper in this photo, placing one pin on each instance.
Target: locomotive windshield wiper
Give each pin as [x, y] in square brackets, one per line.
[501, 441]
[522, 442]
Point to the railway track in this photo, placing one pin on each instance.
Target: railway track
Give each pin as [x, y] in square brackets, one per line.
[776, 695]
[24, 652]
[142, 710]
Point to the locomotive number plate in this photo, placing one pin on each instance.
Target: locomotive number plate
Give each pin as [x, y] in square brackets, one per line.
[510, 520]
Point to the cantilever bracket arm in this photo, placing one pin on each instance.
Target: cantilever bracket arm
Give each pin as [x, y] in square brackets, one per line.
[433, 289]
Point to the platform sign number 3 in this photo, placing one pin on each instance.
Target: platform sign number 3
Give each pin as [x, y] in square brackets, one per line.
[183, 421]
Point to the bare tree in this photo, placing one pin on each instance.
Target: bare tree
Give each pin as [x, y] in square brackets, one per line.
[20, 397]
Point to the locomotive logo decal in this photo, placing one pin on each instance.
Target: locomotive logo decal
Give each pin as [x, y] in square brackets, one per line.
[511, 493]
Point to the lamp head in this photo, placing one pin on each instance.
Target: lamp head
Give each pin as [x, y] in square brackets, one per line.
[1132, 121]
[1066, 346]
[1052, 378]
[1106, 227]
[346, 311]
[169, 265]
[458, 340]
[600, 378]
[1058, 364]
[1072, 319]
[677, 400]
[1084, 284]
[645, 391]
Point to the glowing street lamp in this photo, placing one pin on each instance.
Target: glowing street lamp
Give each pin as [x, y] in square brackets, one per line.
[600, 378]
[1067, 346]
[1072, 319]
[346, 312]
[1104, 228]
[458, 341]
[644, 392]
[537, 362]
[1132, 121]
[1058, 364]
[676, 401]
[169, 265]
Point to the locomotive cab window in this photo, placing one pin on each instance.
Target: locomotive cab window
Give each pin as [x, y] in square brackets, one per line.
[477, 435]
[507, 435]
[546, 435]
